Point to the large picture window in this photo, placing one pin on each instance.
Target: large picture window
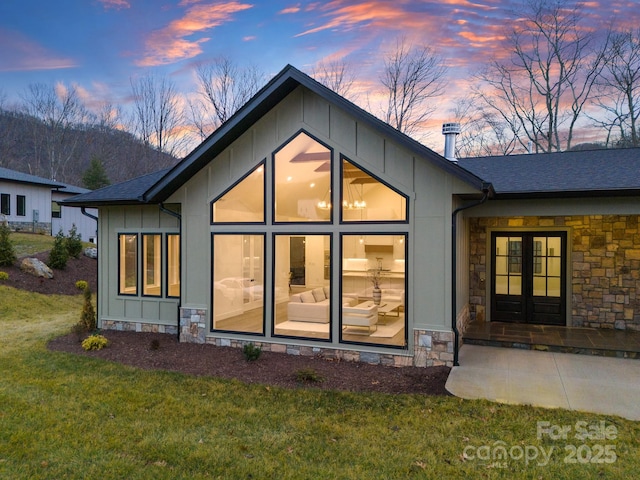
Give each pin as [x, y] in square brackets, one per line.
[374, 289]
[302, 176]
[238, 283]
[152, 265]
[302, 286]
[128, 264]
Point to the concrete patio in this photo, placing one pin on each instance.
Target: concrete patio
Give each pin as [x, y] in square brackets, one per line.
[596, 384]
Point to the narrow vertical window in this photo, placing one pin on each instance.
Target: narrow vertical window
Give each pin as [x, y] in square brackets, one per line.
[21, 205]
[173, 265]
[5, 204]
[128, 264]
[151, 265]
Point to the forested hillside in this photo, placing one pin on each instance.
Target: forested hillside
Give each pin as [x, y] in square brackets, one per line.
[64, 153]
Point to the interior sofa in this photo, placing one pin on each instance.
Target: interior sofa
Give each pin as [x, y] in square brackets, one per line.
[313, 305]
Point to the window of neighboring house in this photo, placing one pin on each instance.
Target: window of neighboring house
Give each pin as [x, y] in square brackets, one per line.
[173, 265]
[5, 204]
[56, 210]
[128, 264]
[242, 203]
[21, 205]
[152, 265]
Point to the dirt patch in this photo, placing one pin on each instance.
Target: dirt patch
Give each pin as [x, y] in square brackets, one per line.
[276, 369]
[63, 281]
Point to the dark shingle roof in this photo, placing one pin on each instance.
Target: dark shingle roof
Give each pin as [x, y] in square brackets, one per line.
[14, 176]
[592, 172]
[129, 192]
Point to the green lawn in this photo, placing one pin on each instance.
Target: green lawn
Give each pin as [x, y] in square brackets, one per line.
[30, 243]
[64, 416]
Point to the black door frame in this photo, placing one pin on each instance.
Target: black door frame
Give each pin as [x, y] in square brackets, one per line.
[525, 308]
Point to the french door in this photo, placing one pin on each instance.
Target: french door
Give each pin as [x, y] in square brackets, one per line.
[528, 281]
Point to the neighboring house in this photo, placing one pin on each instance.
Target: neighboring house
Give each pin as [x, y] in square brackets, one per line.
[275, 229]
[29, 203]
[64, 218]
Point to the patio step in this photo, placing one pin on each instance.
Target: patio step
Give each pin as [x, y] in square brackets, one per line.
[579, 340]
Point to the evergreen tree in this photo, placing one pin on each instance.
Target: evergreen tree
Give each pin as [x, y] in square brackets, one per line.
[7, 252]
[74, 242]
[95, 176]
[58, 255]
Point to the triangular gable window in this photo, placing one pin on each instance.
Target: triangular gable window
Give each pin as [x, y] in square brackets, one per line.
[367, 199]
[242, 203]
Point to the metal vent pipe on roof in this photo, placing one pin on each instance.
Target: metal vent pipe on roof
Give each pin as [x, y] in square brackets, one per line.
[450, 131]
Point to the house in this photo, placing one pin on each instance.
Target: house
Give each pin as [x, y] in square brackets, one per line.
[64, 218]
[306, 225]
[30, 203]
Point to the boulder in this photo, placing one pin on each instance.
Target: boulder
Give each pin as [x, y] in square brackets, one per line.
[35, 267]
[91, 252]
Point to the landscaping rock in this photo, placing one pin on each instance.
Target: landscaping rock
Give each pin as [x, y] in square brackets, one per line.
[35, 267]
[91, 252]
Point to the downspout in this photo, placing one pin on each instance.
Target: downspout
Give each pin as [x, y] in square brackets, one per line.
[454, 267]
[179, 217]
[84, 212]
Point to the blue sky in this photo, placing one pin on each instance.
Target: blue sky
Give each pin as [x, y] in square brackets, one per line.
[98, 45]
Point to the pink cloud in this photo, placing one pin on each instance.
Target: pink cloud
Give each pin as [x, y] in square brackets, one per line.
[170, 44]
[18, 53]
[288, 10]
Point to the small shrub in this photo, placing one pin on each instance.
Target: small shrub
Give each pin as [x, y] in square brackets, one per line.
[155, 344]
[95, 342]
[58, 255]
[251, 352]
[82, 285]
[7, 250]
[74, 242]
[309, 375]
[4, 276]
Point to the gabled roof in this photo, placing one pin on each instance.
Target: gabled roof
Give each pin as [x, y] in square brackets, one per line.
[19, 177]
[157, 187]
[125, 193]
[579, 173]
[67, 188]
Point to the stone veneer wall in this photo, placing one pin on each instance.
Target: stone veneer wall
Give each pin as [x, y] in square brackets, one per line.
[432, 348]
[604, 266]
[138, 327]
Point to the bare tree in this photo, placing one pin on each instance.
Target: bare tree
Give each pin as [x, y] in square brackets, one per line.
[619, 89]
[337, 76]
[413, 76]
[61, 112]
[157, 117]
[223, 88]
[542, 88]
[484, 133]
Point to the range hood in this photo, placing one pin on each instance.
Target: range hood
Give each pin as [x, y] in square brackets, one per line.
[378, 249]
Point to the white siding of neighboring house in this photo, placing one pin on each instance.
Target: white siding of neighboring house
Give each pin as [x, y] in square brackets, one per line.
[85, 226]
[38, 198]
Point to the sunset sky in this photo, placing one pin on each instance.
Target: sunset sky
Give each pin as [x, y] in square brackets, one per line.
[98, 45]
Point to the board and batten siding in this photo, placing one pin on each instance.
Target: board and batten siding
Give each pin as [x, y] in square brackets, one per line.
[134, 309]
[430, 191]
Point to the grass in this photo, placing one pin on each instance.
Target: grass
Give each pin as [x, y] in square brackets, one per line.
[31, 243]
[66, 416]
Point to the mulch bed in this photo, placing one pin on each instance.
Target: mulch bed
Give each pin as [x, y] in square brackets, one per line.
[274, 369]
